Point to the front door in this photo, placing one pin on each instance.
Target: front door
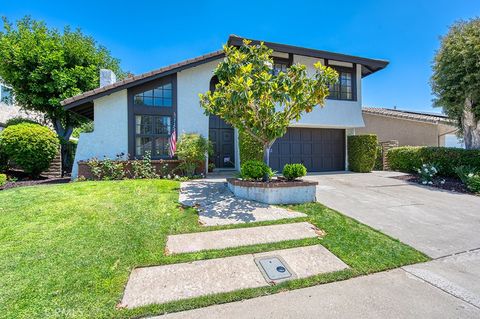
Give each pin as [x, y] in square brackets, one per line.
[221, 135]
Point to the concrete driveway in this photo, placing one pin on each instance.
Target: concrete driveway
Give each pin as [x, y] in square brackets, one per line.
[443, 225]
[436, 222]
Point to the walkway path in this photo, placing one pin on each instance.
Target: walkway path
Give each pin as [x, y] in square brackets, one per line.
[216, 205]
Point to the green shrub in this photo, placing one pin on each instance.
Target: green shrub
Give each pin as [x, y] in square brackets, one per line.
[379, 159]
[19, 120]
[255, 170]
[108, 169]
[250, 148]
[3, 160]
[470, 176]
[192, 149]
[30, 146]
[362, 152]
[427, 173]
[294, 171]
[3, 179]
[143, 168]
[409, 158]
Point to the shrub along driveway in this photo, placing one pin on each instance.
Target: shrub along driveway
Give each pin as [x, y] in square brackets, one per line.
[436, 222]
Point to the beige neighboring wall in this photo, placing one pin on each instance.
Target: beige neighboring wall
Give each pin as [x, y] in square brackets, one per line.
[405, 131]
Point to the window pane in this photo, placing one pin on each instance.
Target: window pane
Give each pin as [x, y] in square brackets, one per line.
[158, 92]
[161, 146]
[143, 124]
[160, 96]
[162, 125]
[143, 145]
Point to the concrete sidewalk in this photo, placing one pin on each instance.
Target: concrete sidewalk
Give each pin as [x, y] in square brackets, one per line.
[392, 294]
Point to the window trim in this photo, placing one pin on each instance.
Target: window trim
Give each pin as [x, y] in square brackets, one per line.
[353, 72]
[135, 109]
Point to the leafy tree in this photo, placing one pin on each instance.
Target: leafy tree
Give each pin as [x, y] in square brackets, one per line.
[253, 99]
[456, 78]
[45, 66]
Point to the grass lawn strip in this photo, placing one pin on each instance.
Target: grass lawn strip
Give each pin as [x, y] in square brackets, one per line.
[67, 250]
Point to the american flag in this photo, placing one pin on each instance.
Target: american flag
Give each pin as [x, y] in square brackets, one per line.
[172, 142]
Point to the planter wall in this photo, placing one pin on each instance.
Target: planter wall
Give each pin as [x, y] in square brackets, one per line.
[274, 192]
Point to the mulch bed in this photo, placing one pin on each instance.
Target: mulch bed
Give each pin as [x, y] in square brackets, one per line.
[24, 180]
[450, 184]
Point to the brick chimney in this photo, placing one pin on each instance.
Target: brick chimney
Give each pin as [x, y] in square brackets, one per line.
[107, 77]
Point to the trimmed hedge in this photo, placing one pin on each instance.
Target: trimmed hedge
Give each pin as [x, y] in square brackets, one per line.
[30, 146]
[362, 152]
[250, 149]
[409, 158]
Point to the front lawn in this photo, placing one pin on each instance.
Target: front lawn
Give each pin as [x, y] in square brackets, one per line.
[66, 251]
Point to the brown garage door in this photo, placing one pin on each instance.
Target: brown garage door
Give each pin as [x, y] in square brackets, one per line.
[318, 149]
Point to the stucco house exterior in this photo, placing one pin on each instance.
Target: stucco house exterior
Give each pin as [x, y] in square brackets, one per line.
[137, 114]
[9, 109]
[410, 127]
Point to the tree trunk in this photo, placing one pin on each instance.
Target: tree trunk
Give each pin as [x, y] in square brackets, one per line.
[471, 127]
[64, 134]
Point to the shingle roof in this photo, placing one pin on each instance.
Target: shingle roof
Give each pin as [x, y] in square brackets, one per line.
[435, 118]
[138, 79]
[83, 103]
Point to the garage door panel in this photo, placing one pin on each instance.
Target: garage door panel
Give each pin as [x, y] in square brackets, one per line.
[317, 149]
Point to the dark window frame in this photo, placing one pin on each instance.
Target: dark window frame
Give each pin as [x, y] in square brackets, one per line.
[137, 109]
[287, 61]
[353, 73]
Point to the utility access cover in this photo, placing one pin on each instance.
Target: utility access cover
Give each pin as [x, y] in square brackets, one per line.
[274, 268]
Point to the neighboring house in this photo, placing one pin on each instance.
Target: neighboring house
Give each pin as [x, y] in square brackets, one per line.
[137, 114]
[8, 108]
[410, 127]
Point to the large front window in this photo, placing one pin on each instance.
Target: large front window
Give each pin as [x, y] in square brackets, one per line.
[152, 133]
[343, 89]
[160, 96]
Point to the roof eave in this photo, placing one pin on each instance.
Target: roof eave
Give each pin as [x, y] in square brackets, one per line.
[372, 65]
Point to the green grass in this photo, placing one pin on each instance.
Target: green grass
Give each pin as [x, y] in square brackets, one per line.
[66, 251]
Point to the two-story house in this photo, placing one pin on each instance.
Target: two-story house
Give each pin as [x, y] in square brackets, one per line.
[137, 114]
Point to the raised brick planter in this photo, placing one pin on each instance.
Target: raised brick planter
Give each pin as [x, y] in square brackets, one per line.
[274, 192]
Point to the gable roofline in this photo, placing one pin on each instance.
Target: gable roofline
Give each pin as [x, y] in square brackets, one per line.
[83, 103]
[89, 96]
[432, 118]
[369, 66]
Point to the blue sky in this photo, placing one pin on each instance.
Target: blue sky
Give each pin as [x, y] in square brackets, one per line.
[146, 35]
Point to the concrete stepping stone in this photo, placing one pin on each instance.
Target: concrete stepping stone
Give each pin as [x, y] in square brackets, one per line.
[161, 284]
[216, 205]
[221, 239]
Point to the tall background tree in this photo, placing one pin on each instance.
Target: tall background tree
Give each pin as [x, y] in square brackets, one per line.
[456, 78]
[255, 100]
[45, 66]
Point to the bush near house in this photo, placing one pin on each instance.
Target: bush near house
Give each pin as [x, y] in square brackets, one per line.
[293, 171]
[3, 179]
[250, 149]
[32, 147]
[379, 159]
[470, 176]
[362, 152]
[409, 158]
[3, 160]
[19, 120]
[192, 149]
[255, 170]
